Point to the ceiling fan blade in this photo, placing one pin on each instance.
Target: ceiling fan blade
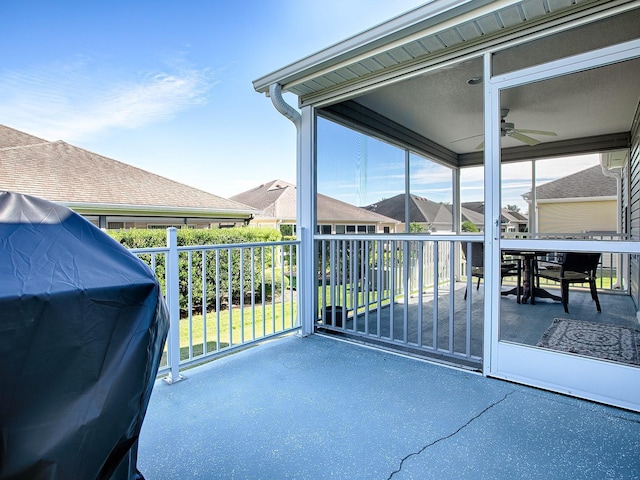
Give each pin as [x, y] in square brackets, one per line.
[467, 138]
[523, 138]
[537, 132]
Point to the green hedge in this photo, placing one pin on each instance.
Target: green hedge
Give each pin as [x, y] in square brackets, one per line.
[215, 263]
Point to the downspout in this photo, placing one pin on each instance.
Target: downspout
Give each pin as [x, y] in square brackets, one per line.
[616, 172]
[303, 266]
[275, 92]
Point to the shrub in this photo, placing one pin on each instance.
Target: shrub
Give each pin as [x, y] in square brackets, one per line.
[218, 264]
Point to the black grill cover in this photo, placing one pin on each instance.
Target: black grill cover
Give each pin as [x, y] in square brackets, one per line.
[82, 329]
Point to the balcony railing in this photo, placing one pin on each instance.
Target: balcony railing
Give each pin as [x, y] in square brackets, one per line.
[408, 292]
[222, 297]
[396, 290]
[399, 291]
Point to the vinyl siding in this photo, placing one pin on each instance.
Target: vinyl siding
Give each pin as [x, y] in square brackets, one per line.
[634, 206]
[577, 217]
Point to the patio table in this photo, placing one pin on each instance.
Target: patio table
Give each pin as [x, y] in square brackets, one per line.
[529, 288]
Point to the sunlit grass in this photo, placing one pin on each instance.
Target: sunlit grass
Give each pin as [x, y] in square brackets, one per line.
[235, 326]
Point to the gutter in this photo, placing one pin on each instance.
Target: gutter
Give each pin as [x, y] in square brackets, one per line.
[116, 208]
[606, 198]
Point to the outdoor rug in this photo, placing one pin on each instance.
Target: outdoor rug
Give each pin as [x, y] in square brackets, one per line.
[608, 342]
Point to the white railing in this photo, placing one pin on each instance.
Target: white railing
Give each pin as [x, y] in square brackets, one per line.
[408, 291]
[611, 276]
[222, 297]
[397, 290]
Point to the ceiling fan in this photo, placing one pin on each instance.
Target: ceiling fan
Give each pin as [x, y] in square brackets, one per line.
[508, 129]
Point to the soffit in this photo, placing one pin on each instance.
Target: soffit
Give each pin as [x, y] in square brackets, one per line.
[589, 111]
[448, 35]
[411, 85]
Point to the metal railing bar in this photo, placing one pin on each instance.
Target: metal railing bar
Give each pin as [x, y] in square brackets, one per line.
[230, 293]
[190, 301]
[253, 295]
[420, 291]
[217, 257]
[282, 284]
[273, 288]
[241, 296]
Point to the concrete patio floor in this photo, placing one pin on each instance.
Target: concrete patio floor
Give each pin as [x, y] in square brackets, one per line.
[317, 407]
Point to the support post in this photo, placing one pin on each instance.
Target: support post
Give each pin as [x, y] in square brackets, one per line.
[306, 221]
[173, 303]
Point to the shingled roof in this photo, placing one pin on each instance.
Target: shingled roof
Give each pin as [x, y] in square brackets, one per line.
[10, 137]
[277, 199]
[63, 173]
[507, 216]
[422, 210]
[587, 183]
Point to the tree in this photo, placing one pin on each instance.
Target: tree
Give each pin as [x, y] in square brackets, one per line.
[513, 208]
[415, 227]
[468, 226]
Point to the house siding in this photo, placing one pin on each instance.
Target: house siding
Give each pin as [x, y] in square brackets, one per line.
[634, 205]
[577, 217]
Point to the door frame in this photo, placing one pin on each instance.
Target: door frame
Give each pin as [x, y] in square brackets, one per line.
[593, 379]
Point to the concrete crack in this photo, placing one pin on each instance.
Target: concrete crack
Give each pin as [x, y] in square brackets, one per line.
[450, 435]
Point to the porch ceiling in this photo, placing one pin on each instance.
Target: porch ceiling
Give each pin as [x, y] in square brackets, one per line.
[413, 80]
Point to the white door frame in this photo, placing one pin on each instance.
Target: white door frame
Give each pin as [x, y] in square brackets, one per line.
[601, 381]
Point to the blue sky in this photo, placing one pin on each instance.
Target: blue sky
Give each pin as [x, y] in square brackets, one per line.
[166, 85]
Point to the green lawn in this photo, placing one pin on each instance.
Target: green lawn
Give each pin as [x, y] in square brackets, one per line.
[233, 324]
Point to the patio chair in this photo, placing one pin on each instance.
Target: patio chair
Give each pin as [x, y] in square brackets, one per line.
[574, 267]
[507, 269]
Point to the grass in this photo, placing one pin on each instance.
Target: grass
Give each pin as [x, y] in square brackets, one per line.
[234, 326]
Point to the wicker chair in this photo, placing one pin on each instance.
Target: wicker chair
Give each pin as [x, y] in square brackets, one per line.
[573, 268]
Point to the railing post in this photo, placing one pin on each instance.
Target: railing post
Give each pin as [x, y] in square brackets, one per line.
[173, 303]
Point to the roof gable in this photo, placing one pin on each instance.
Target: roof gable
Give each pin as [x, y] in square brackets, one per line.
[277, 199]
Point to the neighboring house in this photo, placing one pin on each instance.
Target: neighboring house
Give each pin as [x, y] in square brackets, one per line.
[109, 193]
[431, 216]
[438, 217]
[277, 202]
[586, 201]
[510, 221]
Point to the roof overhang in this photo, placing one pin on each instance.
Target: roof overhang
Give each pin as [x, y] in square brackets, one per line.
[426, 37]
[366, 44]
[388, 80]
[153, 210]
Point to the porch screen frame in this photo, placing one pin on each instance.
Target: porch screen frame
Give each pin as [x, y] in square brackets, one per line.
[521, 363]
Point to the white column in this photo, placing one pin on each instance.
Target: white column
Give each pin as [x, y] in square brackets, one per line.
[173, 304]
[306, 220]
[491, 217]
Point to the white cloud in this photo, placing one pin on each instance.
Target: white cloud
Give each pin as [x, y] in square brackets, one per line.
[79, 100]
